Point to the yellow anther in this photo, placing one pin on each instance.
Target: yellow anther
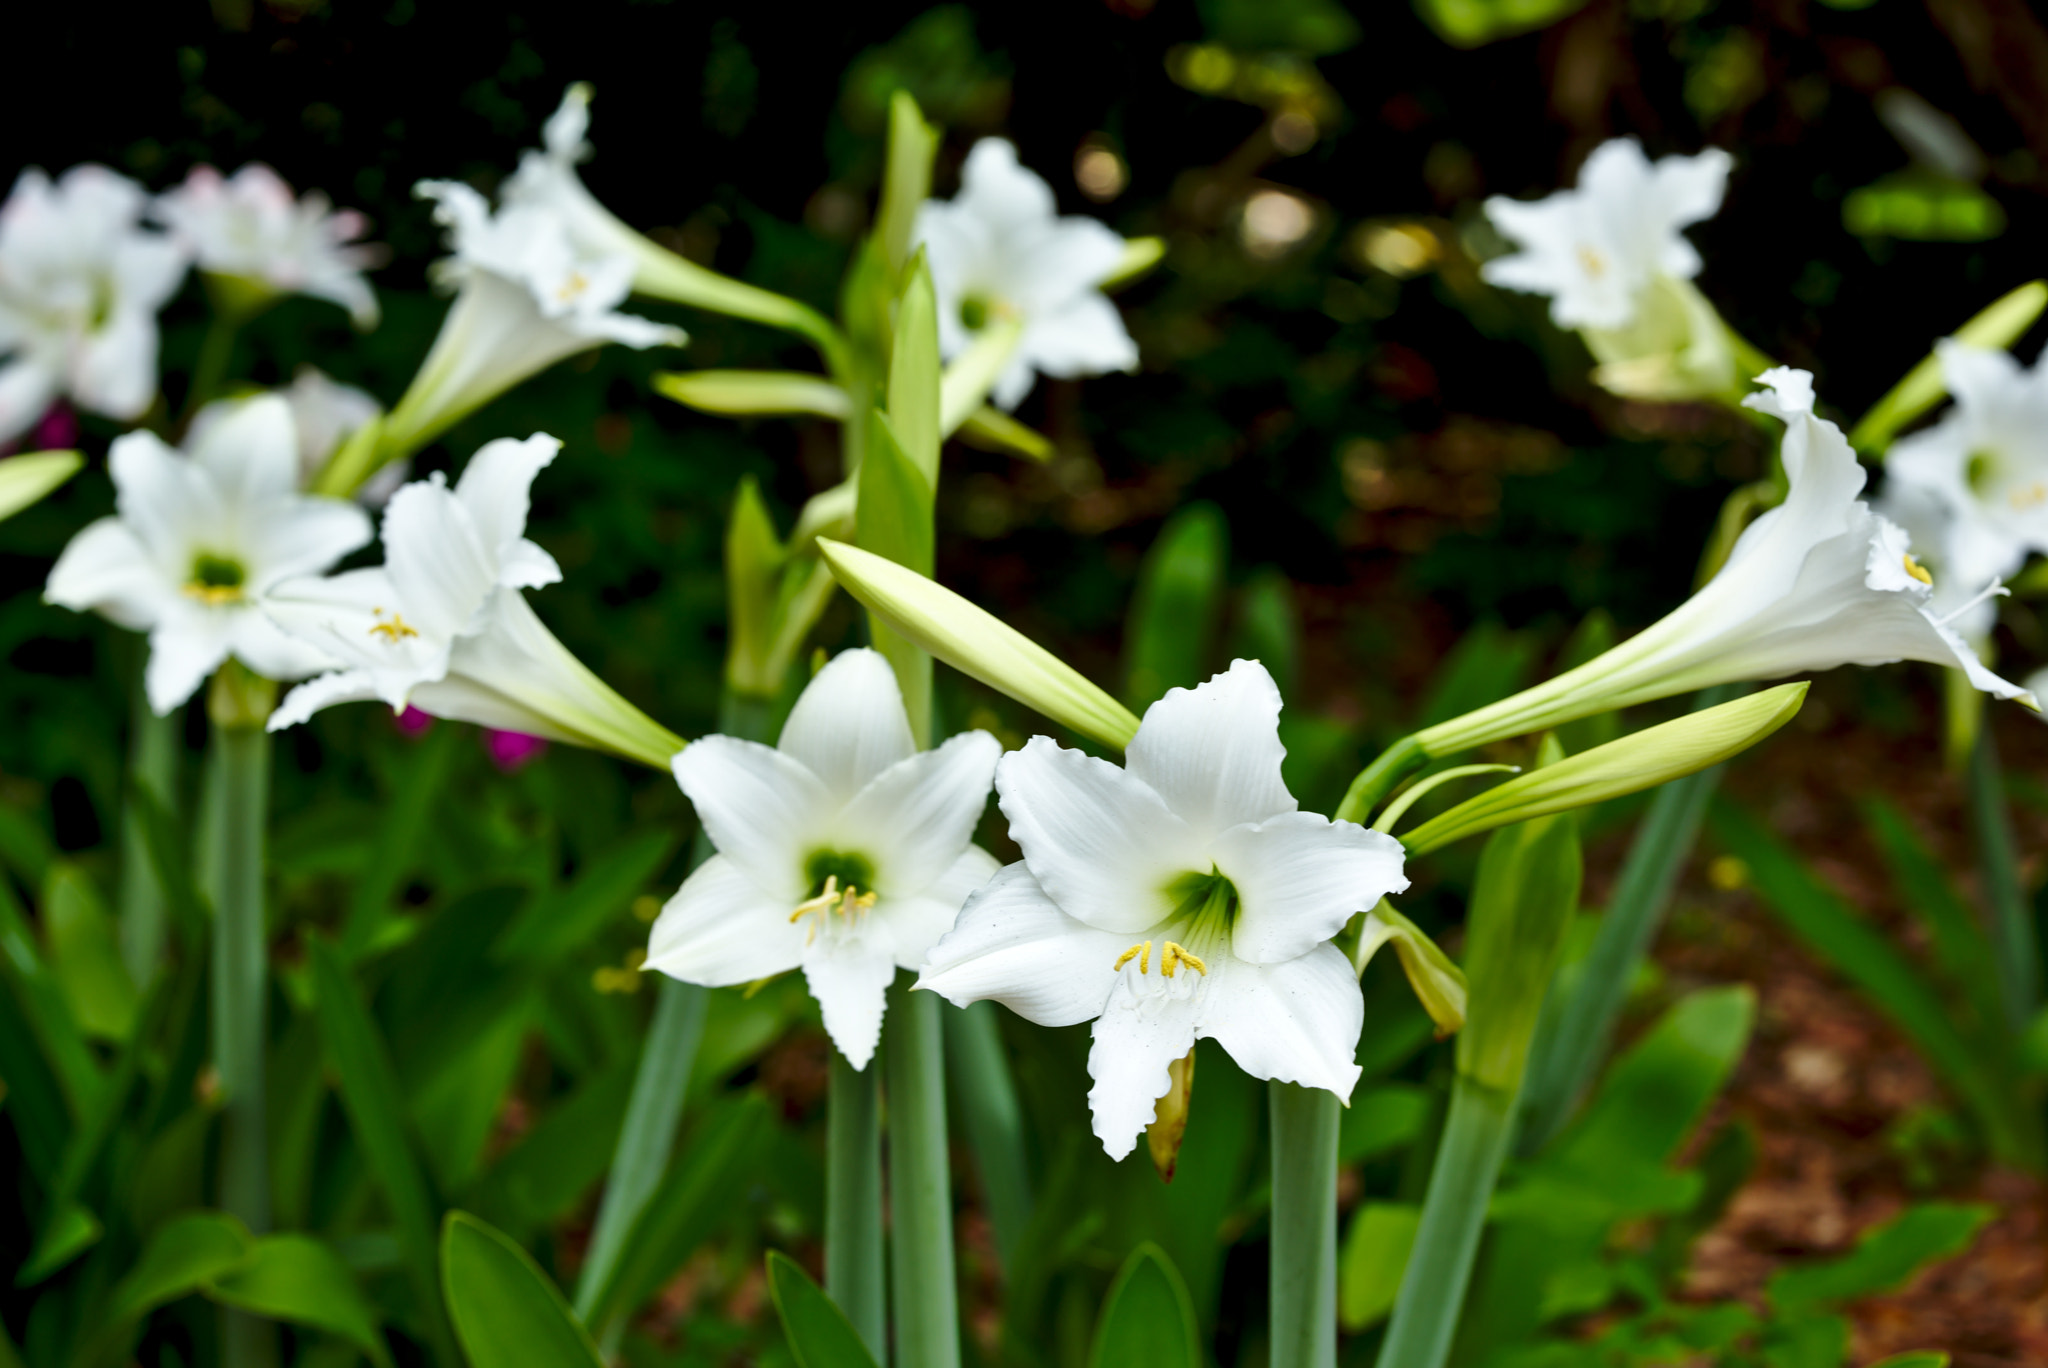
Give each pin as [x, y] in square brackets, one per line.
[1174, 954]
[2033, 496]
[1594, 263]
[819, 903]
[1918, 572]
[394, 631]
[214, 594]
[1141, 953]
[574, 286]
[849, 902]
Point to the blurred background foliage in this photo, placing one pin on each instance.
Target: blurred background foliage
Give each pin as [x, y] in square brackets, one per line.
[1393, 484]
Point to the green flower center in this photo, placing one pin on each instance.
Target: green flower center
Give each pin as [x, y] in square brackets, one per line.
[216, 579]
[975, 311]
[848, 869]
[1980, 470]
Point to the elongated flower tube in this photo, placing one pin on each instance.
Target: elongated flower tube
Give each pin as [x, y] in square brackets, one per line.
[80, 284]
[1612, 258]
[999, 250]
[1179, 898]
[1817, 582]
[199, 542]
[441, 625]
[250, 229]
[843, 850]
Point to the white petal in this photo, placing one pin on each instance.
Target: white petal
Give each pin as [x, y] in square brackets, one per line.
[995, 187]
[264, 647]
[250, 448]
[849, 978]
[359, 618]
[1012, 944]
[442, 570]
[1084, 335]
[496, 489]
[1064, 261]
[302, 536]
[1135, 1039]
[105, 569]
[719, 929]
[168, 504]
[1297, 1021]
[114, 372]
[185, 647]
[1098, 840]
[322, 691]
[1299, 877]
[914, 925]
[914, 818]
[27, 389]
[1213, 752]
[764, 811]
[849, 724]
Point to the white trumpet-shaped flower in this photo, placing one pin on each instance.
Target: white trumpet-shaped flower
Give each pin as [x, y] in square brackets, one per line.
[1182, 897]
[80, 284]
[547, 179]
[998, 250]
[843, 850]
[1612, 258]
[251, 228]
[200, 542]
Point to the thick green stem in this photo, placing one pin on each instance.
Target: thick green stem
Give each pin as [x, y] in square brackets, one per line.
[1302, 1270]
[923, 1296]
[1461, 1183]
[980, 1074]
[2012, 923]
[240, 988]
[853, 1200]
[152, 768]
[1574, 1030]
[216, 353]
[1377, 780]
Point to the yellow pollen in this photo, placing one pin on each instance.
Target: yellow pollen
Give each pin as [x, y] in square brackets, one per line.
[394, 631]
[2033, 496]
[574, 286]
[214, 594]
[1915, 569]
[1595, 264]
[1141, 953]
[849, 902]
[1175, 954]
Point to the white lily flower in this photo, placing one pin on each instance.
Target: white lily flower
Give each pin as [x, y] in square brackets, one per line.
[843, 850]
[1180, 898]
[530, 295]
[1817, 582]
[1611, 257]
[547, 179]
[1978, 479]
[249, 227]
[80, 285]
[998, 250]
[200, 542]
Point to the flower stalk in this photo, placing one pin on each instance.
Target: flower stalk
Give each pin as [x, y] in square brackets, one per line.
[853, 1200]
[923, 1298]
[2012, 923]
[1302, 1268]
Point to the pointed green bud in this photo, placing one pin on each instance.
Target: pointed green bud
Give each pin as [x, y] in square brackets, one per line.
[753, 572]
[977, 644]
[994, 430]
[894, 520]
[28, 479]
[1996, 328]
[751, 392]
[1639, 761]
[914, 388]
[906, 179]
[1140, 256]
[1439, 984]
[973, 373]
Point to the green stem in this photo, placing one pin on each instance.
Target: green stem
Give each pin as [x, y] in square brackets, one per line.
[853, 1200]
[1574, 1030]
[240, 988]
[1461, 1183]
[216, 354]
[979, 1071]
[924, 1299]
[1377, 780]
[1302, 1269]
[2012, 925]
[152, 767]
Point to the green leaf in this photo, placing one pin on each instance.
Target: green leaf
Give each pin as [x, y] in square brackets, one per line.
[993, 430]
[1961, 948]
[187, 1253]
[1885, 1258]
[507, 1313]
[556, 1162]
[752, 392]
[1375, 1256]
[63, 1051]
[603, 890]
[819, 1334]
[67, 1233]
[84, 955]
[1148, 1320]
[399, 839]
[26, 479]
[1268, 628]
[297, 1278]
[1174, 609]
[1914, 1358]
[1382, 1119]
[894, 520]
[1656, 1093]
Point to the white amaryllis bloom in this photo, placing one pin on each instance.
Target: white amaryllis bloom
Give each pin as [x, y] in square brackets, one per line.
[442, 626]
[530, 294]
[201, 540]
[80, 284]
[1180, 898]
[1817, 582]
[998, 250]
[1978, 479]
[1611, 257]
[250, 228]
[547, 179]
[843, 850]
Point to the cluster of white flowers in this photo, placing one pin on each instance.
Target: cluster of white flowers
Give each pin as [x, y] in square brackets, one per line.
[249, 227]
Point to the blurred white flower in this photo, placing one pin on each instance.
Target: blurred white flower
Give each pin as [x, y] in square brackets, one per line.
[998, 250]
[842, 850]
[81, 281]
[324, 414]
[547, 179]
[249, 227]
[200, 541]
[1180, 898]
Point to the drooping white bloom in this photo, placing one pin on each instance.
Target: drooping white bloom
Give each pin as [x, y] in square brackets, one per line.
[200, 542]
[1612, 258]
[1180, 898]
[251, 227]
[530, 295]
[1978, 479]
[80, 284]
[842, 850]
[1817, 582]
[442, 626]
[999, 250]
[547, 179]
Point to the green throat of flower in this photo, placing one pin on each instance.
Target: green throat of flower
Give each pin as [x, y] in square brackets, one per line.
[216, 579]
[1204, 911]
[842, 884]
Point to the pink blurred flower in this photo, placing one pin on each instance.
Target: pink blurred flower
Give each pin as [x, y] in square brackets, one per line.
[511, 750]
[57, 431]
[411, 721]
